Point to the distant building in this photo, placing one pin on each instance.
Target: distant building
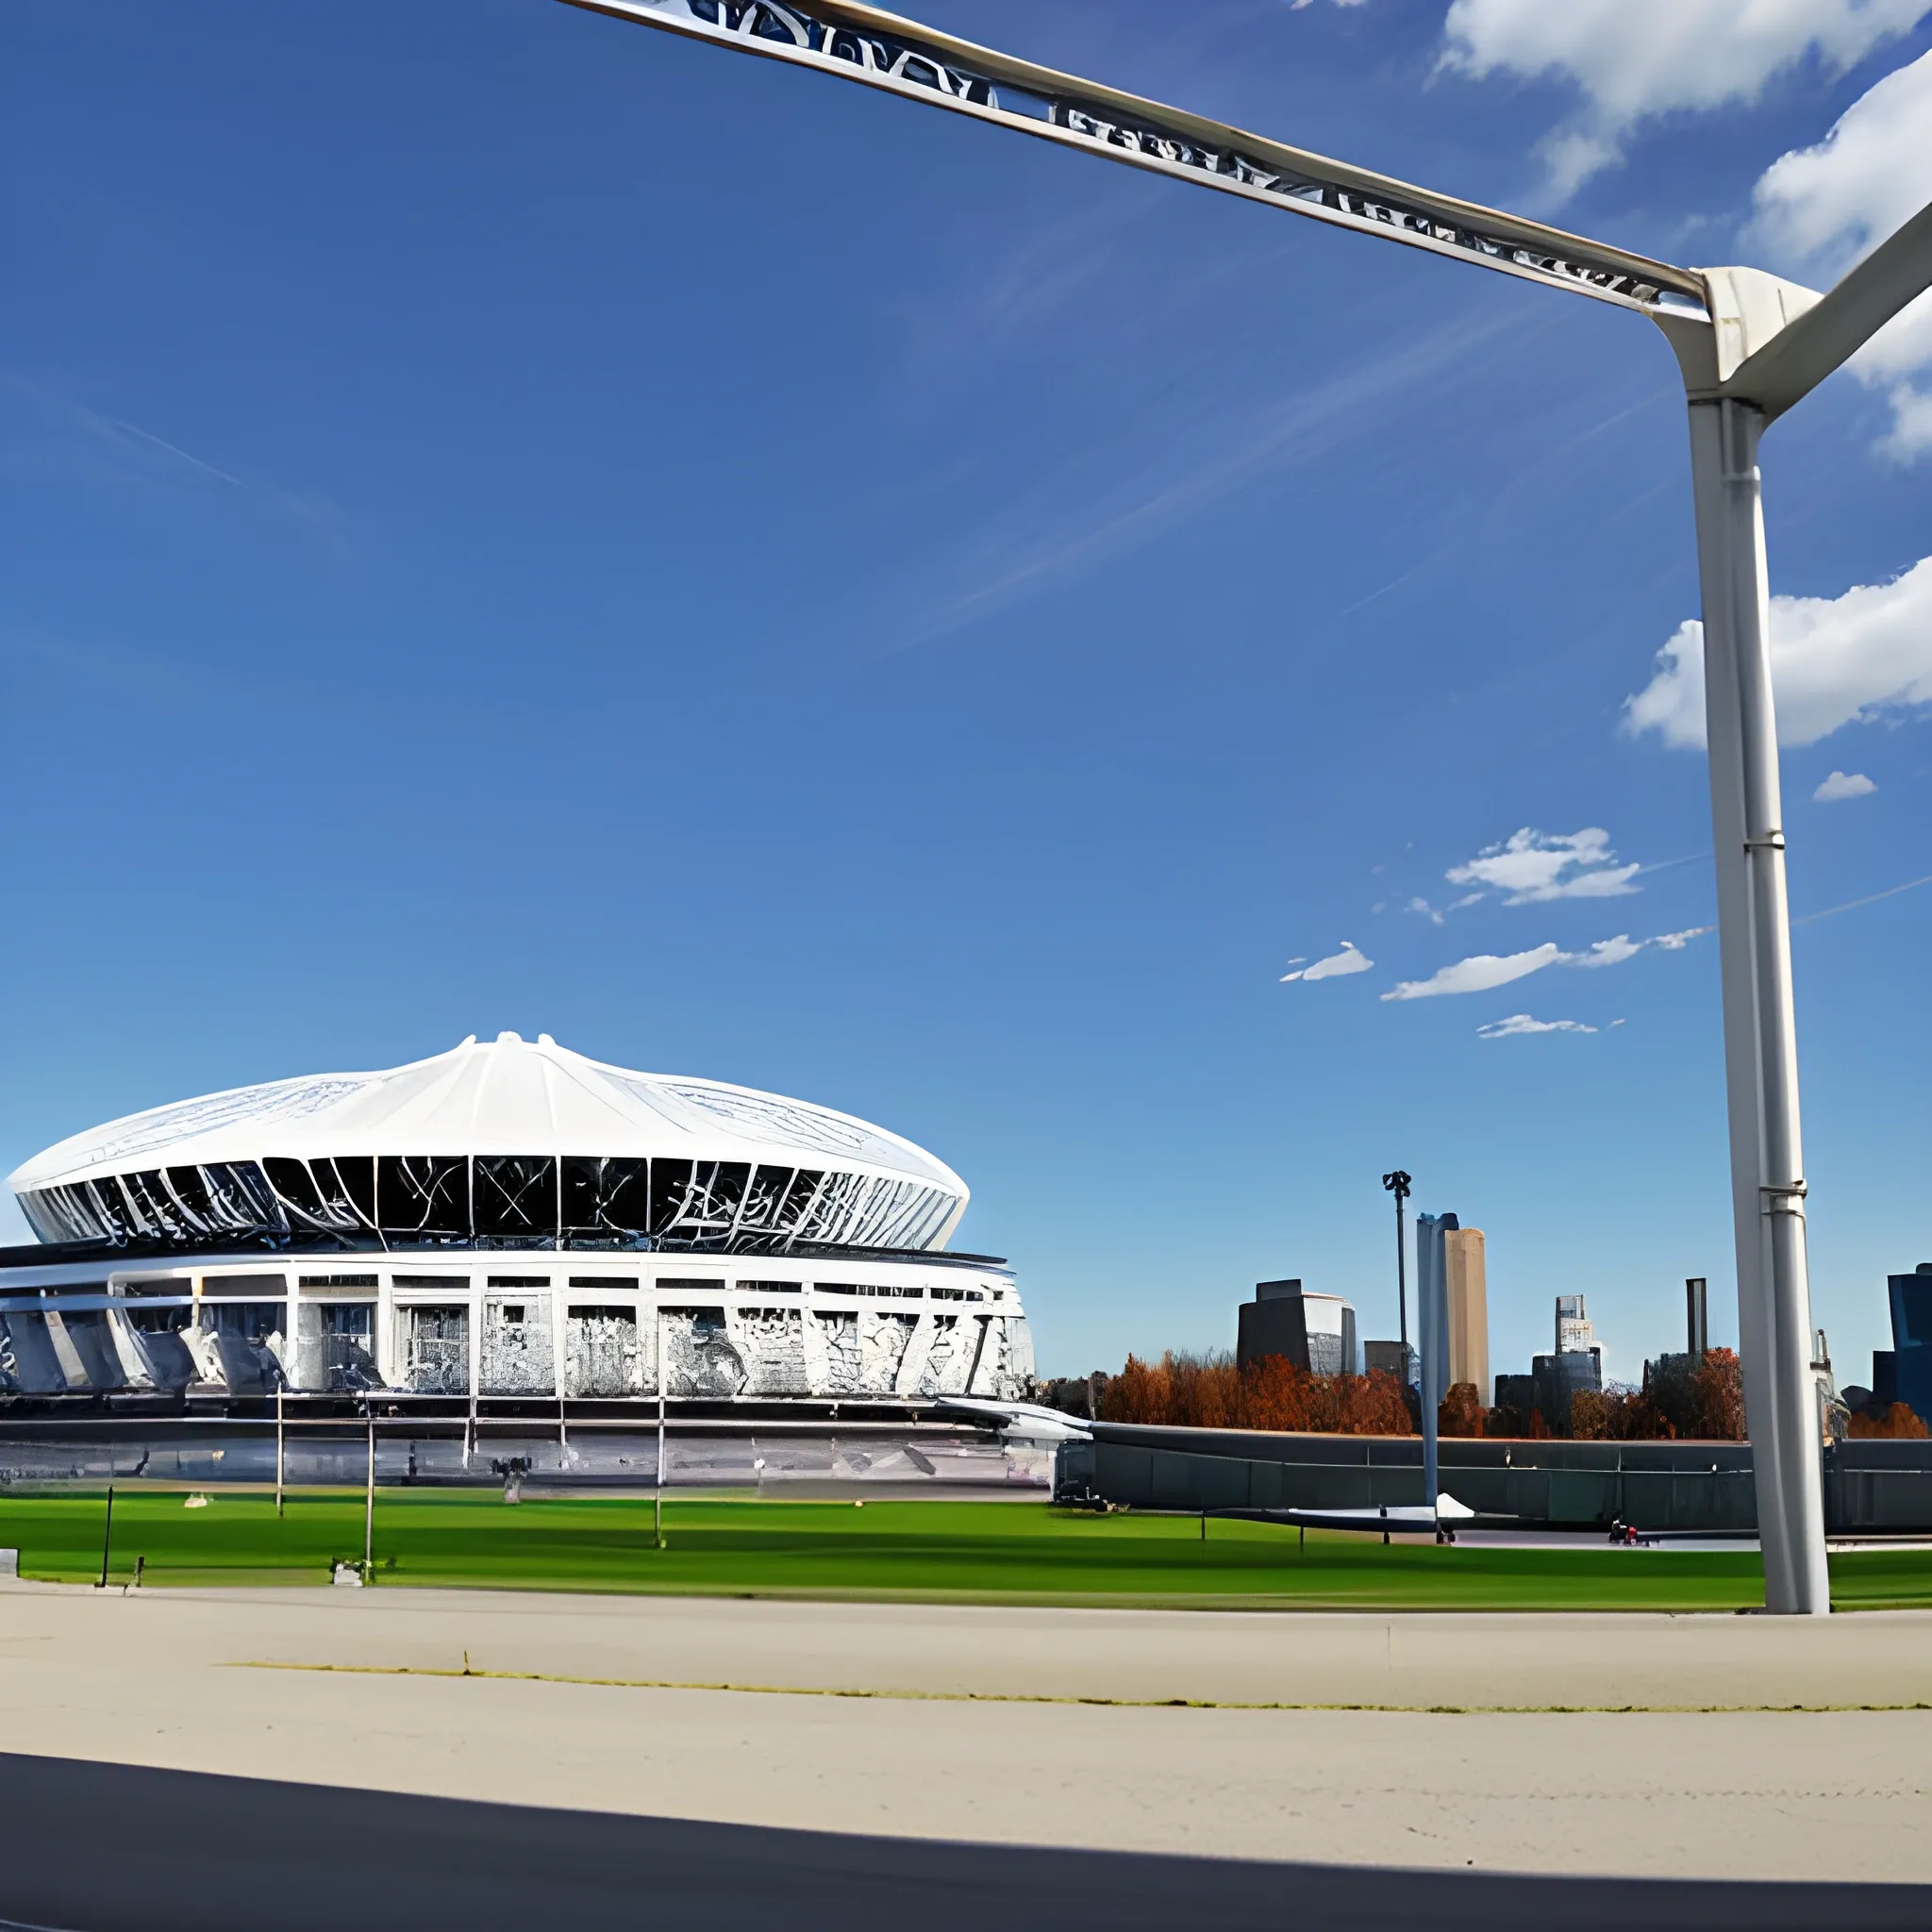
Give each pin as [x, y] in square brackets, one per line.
[1518, 1394]
[1904, 1372]
[1314, 1331]
[1469, 1310]
[1697, 1316]
[1395, 1359]
[1574, 1333]
[1557, 1379]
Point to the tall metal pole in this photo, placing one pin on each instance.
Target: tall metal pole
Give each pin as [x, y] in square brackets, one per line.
[1761, 1036]
[1429, 1288]
[661, 1429]
[369, 1510]
[1398, 1184]
[278, 1449]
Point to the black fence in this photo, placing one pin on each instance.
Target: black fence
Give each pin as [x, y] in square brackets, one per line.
[1870, 1488]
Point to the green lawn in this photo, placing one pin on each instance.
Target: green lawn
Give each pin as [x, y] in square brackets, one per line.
[960, 1550]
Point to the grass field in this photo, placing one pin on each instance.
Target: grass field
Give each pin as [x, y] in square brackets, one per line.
[950, 1551]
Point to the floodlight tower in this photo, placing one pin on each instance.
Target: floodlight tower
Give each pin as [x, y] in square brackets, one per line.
[1398, 1185]
[1749, 346]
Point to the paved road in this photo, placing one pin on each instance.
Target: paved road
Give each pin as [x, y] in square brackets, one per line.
[115, 1849]
[847, 1802]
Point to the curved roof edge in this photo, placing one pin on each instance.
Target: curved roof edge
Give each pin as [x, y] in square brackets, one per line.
[502, 1097]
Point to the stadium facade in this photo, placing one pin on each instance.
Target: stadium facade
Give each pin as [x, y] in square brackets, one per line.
[508, 1224]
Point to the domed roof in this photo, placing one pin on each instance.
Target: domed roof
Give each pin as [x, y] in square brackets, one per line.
[504, 1099]
[509, 1096]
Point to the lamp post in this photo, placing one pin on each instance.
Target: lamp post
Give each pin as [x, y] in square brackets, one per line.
[1749, 346]
[1397, 1184]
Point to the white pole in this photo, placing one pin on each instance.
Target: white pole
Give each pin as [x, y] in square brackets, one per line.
[661, 1428]
[1761, 1036]
[1428, 1327]
[278, 1450]
[369, 1510]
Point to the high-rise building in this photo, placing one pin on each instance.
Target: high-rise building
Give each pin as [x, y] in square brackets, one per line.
[1395, 1359]
[1909, 1374]
[1467, 1282]
[1697, 1316]
[1574, 1333]
[1312, 1330]
[1559, 1379]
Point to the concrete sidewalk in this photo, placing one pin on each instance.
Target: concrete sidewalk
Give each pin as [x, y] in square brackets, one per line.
[227, 1682]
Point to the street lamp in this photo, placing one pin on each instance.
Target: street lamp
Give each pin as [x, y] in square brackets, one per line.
[1397, 1184]
[1749, 346]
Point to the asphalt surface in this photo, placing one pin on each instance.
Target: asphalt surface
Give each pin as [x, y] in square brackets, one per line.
[292, 1758]
[115, 1848]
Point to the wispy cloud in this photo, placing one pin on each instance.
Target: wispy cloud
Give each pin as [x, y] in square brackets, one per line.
[1870, 899]
[78, 438]
[1297, 430]
[143, 678]
[1521, 1022]
[1478, 972]
[1482, 971]
[1606, 952]
[1350, 959]
[1531, 867]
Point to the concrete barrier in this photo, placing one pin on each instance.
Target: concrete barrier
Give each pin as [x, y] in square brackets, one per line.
[1873, 1488]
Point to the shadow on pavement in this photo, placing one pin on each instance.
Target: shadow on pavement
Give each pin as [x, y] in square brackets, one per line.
[111, 1848]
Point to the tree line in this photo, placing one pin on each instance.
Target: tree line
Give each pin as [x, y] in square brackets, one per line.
[1702, 1400]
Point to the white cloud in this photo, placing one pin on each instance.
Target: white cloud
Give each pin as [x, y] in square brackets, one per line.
[1631, 61]
[1521, 1022]
[1833, 660]
[1845, 785]
[1820, 209]
[1479, 974]
[1532, 868]
[1350, 959]
[1482, 971]
[1911, 416]
[1606, 952]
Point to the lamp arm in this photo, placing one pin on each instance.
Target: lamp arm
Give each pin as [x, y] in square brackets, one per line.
[865, 43]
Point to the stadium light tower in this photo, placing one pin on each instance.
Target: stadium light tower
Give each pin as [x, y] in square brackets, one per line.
[1749, 346]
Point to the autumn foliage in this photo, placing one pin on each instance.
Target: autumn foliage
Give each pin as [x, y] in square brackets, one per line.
[1211, 1393]
[1705, 1402]
[1897, 1422]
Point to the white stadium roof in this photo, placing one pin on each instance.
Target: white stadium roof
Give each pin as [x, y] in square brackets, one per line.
[509, 1096]
[482, 1102]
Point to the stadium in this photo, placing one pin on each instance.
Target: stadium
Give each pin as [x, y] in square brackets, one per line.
[507, 1229]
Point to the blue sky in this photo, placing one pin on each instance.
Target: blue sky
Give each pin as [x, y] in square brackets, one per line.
[514, 521]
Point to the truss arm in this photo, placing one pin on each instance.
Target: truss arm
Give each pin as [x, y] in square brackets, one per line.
[1801, 354]
[878, 49]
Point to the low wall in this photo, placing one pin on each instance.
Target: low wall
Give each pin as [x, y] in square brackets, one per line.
[1869, 1487]
[204, 1455]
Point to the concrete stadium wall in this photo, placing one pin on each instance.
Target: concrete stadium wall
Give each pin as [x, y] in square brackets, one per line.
[1869, 1487]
